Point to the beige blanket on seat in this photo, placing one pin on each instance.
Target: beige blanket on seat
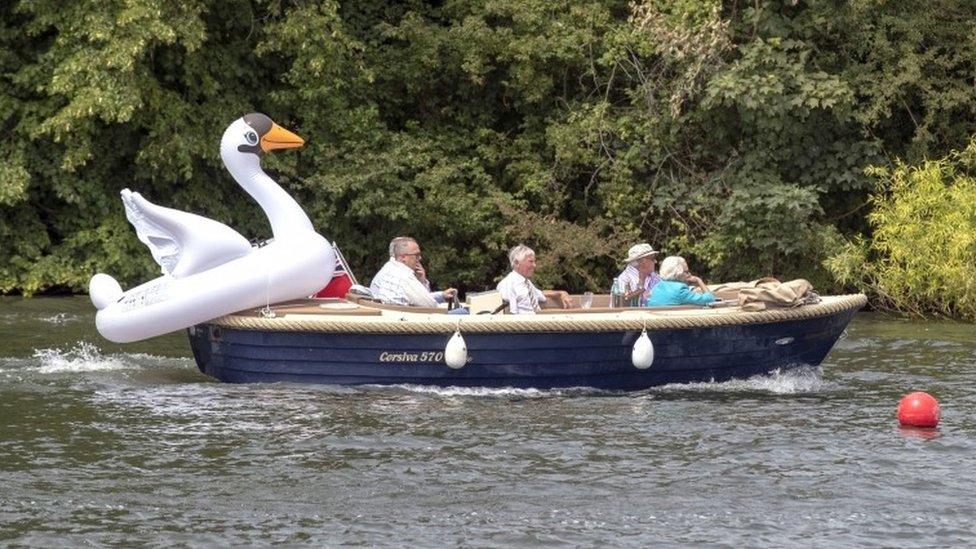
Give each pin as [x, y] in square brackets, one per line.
[759, 294]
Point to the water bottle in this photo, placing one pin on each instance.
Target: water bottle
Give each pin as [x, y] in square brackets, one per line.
[616, 294]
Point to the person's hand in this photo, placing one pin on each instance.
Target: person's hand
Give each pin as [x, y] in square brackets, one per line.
[421, 273]
[449, 293]
[561, 296]
[567, 302]
[697, 282]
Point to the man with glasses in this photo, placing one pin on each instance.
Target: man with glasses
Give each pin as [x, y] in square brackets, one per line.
[403, 280]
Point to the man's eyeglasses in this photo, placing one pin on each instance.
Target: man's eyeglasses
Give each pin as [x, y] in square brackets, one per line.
[417, 255]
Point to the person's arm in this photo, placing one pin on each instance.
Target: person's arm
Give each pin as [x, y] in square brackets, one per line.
[638, 291]
[697, 283]
[443, 295]
[508, 294]
[634, 293]
[421, 274]
[559, 296]
[688, 296]
[627, 285]
[416, 294]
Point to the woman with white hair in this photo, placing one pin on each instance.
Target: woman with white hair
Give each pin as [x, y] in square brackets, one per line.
[678, 286]
[517, 288]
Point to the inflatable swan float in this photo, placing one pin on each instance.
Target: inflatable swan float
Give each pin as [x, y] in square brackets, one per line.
[209, 270]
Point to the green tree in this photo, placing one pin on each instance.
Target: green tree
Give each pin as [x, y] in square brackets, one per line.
[734, 134]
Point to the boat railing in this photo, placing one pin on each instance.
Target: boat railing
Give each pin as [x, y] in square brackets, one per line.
[600, 305]
[355, 304]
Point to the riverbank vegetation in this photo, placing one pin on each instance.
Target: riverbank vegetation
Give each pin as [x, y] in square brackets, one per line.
[921, 255]
[749, 137]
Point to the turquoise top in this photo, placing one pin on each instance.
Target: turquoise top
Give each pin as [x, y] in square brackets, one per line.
[672, 292]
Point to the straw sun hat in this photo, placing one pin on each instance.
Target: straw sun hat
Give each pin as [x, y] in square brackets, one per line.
[639, 251]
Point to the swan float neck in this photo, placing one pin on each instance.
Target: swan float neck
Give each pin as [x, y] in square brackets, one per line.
[243, 161]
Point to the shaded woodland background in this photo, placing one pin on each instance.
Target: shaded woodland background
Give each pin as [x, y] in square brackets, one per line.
[825, 140]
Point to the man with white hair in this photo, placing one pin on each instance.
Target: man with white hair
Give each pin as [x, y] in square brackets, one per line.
[678, 286]
[639, 277]
[517, 287]
[403, 281]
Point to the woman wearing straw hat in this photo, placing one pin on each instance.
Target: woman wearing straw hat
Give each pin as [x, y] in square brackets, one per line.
[639, 276]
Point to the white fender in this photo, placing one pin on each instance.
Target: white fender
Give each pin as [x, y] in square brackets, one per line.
[642, 355]
[456, 351]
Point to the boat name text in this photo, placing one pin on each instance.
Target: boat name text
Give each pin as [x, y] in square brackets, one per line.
[422, 356]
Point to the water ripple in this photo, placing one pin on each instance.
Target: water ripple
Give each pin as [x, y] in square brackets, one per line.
[112, 447]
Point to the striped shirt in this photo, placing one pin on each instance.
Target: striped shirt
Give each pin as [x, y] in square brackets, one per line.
[630, 280]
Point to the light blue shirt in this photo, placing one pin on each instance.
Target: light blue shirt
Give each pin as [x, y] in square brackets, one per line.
[672, 292]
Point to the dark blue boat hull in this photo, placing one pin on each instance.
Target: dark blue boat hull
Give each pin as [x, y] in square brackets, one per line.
[529, 360]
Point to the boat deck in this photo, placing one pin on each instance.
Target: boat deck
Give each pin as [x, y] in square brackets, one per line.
[339, 315]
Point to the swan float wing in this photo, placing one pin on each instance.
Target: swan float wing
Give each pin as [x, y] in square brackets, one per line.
[182, 243]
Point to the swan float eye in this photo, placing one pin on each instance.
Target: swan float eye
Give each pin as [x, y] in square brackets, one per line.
[251, 137]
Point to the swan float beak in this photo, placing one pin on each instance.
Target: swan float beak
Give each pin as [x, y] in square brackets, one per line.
[280, 138]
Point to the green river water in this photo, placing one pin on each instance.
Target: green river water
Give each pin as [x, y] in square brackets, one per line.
[124, 445]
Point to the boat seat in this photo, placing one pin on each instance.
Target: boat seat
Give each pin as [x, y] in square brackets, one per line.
[483, 302]
[314, 306]
[376, 304]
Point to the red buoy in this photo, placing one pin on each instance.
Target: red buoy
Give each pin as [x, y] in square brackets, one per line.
[918, 409]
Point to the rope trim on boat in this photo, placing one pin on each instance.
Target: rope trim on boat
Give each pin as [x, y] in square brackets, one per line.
[638, 319]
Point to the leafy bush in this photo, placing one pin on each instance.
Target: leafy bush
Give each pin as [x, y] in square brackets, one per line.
[921, 257]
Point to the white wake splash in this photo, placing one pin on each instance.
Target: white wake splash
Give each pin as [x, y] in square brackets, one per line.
[83, 357]
[503, 392]
[789, 382]
[60, 318]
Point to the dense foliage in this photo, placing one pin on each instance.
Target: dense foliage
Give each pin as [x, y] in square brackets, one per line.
[736, 134]
[921, 256]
